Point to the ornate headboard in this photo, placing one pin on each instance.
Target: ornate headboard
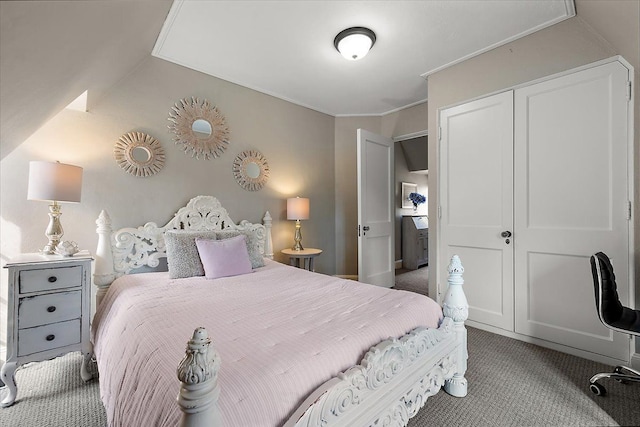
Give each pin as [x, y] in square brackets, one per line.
[130, 248]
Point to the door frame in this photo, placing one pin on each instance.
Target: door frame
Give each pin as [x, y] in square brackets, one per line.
[405, 137]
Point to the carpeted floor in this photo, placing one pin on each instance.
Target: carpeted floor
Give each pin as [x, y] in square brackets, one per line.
[511, 383]
[413, 280]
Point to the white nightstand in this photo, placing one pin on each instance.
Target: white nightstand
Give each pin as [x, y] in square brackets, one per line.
[302, 258]
[48, 310]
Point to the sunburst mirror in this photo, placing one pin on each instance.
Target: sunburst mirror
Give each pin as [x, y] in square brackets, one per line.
[199, 128]
[139, 154]
[251, 170]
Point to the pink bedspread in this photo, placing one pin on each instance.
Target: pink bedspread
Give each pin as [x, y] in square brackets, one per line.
[280, 331]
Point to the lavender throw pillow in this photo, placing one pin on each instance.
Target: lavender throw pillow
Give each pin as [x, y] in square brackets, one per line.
[224, 258]
[253, 244]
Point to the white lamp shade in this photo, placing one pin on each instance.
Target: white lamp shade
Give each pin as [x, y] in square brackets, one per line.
[298, 208]
[354, 46]
[54, 181]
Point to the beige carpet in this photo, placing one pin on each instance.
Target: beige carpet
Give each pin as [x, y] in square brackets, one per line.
[511, 383]
[413, 280]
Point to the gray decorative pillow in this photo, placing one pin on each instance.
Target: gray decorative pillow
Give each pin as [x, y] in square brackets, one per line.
[253, 245]
[182, 252]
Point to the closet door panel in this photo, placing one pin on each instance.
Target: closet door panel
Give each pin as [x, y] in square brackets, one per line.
[571, 200]
[476, 199]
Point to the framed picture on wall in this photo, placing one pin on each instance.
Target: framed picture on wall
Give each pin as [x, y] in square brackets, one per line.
[408, 188]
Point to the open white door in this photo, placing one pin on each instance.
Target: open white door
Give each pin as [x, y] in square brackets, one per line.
[375, 209]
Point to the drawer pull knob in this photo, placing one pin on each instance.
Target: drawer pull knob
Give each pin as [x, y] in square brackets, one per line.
[51, 337]
[52, 279]
[51, 309]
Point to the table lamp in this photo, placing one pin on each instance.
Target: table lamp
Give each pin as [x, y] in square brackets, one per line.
[297, 208]
[54, 182]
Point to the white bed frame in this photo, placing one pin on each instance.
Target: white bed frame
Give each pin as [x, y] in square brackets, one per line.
[389, 386]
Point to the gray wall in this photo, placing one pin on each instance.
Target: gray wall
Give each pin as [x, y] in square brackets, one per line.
[297, 142]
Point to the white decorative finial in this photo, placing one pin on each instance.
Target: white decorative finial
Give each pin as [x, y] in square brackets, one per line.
[103, 222]
[455, 270]
[199, 362]
[455, 303]
[198, 372]
[268, 242]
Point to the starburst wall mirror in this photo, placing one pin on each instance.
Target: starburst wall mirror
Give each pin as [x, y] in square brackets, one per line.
[251, 170]
[139, 154]
[199, 128]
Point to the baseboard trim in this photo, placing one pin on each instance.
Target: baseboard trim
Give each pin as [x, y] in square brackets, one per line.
[553, 346]
[398, 264]
[635, 361]
[347, 276]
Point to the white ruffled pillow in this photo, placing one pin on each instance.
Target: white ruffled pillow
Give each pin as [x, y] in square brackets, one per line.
[182, 253]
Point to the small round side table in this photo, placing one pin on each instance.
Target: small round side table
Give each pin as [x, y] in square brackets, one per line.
[303, 258]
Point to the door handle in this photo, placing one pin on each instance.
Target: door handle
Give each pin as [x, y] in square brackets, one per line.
[365, 228]
[506, 234]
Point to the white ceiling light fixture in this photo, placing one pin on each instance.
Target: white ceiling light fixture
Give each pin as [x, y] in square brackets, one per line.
[355, 42]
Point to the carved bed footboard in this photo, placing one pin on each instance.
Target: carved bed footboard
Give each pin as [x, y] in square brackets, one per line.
[389, 386]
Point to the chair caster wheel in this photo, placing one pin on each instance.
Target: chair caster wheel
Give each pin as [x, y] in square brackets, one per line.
[597, 389]
[619, 370]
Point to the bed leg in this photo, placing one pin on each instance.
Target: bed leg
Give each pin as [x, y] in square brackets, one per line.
[456, 306]
[199, 391]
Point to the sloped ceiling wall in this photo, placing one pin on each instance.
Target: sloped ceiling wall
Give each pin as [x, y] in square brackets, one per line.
[52, 51]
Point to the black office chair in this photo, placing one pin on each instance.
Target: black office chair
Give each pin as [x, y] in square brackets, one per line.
[614, 316]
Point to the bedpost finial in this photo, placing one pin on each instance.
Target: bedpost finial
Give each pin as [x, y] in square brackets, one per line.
[199, 339]
[455, 270]
[455, 265]
[103, 222]
[198, 372]
[267, 217]
[455, 302]
[201, 362]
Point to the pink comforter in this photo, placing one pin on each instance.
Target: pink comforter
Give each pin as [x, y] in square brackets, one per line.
[280, 331]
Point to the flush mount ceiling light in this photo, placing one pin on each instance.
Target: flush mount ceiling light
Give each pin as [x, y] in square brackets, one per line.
[354, 43]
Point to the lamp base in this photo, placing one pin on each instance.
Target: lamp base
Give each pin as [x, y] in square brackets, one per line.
[54, 230]
[50, 248]
[297, 238]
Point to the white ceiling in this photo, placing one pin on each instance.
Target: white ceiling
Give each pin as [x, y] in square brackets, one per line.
[285, 48]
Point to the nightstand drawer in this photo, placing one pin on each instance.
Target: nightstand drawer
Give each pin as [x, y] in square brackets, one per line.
[50, 278]
[52, 308]
[47, 337]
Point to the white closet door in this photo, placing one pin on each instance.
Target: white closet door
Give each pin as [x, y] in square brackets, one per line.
[476, 199]
[571, 200]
